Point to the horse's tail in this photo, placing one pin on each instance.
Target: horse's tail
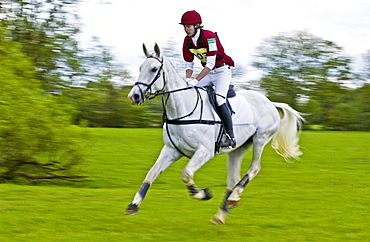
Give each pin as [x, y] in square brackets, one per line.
[286, 139]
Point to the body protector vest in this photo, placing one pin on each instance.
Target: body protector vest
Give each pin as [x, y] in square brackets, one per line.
[208, 44]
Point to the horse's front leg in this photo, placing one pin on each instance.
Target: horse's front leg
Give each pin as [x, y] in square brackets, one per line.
[165, 159]
[200, 157]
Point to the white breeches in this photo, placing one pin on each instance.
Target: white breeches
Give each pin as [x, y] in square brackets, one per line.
[219, 78]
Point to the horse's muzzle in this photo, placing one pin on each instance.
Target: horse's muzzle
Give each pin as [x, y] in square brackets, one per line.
[136, 99]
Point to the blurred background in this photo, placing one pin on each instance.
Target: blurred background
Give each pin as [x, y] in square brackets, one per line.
[67, 64]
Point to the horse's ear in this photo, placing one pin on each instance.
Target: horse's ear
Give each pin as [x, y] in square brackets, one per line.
[145, 51]
[157, 50]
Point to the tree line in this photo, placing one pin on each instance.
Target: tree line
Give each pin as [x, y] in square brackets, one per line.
[51, 87]
[315, 76]
[309, 73]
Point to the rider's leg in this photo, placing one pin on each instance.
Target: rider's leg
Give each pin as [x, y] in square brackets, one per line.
[225, 116]
[220, 78]
[221, 87]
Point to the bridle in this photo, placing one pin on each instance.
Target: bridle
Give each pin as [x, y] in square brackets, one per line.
[147, 93]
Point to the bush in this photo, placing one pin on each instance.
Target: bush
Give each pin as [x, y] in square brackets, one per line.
[37, 141]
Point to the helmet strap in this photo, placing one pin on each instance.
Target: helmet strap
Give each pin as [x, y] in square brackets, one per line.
[196, 27]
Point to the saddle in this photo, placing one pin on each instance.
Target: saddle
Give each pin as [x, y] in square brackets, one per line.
[212, 97]
[242, 114]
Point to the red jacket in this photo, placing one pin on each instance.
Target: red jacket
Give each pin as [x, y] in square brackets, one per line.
[208, 44]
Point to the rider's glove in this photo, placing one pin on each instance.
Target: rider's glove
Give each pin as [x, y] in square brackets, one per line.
[191, 82]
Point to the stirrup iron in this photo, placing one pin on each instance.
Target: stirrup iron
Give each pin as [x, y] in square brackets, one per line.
[227, 142]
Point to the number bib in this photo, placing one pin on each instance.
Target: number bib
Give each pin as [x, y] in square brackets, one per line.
[200, 53]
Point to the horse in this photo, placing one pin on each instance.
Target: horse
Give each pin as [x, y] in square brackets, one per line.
[191, 128]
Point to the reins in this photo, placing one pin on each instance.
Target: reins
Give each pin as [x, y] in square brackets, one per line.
[173, 121]
[148, 93]
[168, 92]
[177, 121]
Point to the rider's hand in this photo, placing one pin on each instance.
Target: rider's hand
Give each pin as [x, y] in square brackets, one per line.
[191, 82]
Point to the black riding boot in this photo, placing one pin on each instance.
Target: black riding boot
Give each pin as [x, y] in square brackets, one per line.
[225, 116]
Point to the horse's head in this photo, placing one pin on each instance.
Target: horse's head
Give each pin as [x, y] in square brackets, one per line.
[151, 77]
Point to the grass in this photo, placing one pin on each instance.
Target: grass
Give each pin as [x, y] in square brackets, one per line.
[323, 197]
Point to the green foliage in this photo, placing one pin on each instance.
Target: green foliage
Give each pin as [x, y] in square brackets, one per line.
[354, 109]
[103, 105]
[88, 79]
[309, 73]
[36, 138]
[299, 68]
[324, 196]
[349, 110]
[47, 31]
[298, 64]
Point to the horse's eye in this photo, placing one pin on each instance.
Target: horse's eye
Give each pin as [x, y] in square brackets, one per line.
[154, 69]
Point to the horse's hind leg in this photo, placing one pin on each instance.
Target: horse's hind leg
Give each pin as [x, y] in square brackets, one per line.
[165, 159]
[259, 141]
[234, 162]
[200, 157]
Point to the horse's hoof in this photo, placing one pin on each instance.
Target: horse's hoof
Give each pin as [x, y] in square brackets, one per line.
[130, 212]
[232, 204]
[207, 194]
[217, 221]
[131, 209]
[220, 217]
[204, 194]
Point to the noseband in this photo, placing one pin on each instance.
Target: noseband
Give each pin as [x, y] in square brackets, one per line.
[147, 93]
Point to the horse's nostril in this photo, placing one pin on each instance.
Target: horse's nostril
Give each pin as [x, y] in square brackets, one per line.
[135, 99]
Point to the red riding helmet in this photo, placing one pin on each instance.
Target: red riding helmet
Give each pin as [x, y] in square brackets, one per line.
[191, 17]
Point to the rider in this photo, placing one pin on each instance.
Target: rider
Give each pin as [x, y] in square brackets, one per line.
[206, 46]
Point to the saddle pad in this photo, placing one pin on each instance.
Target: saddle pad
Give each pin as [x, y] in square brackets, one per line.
[242, 112]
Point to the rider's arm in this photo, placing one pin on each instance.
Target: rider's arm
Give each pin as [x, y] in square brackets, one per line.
[211, 61]
[189, 69]
[203, 73]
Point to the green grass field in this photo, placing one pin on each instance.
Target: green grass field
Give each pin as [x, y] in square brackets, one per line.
[325, 196]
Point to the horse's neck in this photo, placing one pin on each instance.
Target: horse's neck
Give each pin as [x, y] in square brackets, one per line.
[173, 80]
[178, 103]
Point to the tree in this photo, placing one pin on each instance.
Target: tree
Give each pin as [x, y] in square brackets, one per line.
[357, 110]
[37, 141]
[366, 57]
[102, 104]
[297, 64]
[47, 30]
[99, 64]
